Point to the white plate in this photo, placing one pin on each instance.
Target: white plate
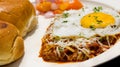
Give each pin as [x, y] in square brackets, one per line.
[33, 44]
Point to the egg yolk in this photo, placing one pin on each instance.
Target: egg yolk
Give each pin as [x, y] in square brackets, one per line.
[97, 20]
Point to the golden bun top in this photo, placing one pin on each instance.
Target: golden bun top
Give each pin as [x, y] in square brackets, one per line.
[17, 17]
[11, 43]
[17, 12]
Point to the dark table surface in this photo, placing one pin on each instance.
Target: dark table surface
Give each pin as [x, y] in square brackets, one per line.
[113, 62]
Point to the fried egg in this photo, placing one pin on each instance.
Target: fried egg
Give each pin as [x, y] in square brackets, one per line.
[87, 22]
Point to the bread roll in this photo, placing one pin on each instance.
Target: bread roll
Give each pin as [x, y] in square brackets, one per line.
[11, 43]
[20, 13]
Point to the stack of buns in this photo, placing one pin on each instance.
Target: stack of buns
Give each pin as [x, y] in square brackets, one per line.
[17, 18]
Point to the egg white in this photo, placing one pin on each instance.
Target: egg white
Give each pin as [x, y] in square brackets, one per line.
[73, 27]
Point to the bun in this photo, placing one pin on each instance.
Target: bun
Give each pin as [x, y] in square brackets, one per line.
[20, 13]
[11, 43]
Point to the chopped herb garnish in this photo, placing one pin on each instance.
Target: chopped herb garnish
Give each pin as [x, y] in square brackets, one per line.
[97, 9]
[79, 15]
[117, 16]
[56, 38]
[89, 16]
[99, 21]
[102, 39]
[81, 35]
[60, 49]
[92, 27]
[95, 17]
[113, 26]
[65, 15]
[83, 9]
[73, 24]
[65, 21]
